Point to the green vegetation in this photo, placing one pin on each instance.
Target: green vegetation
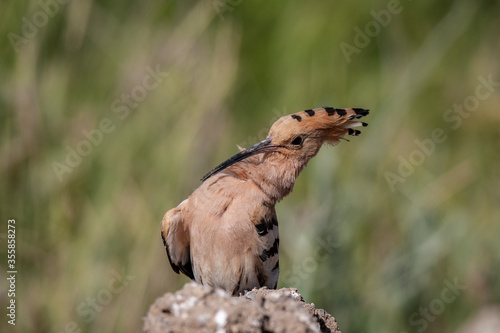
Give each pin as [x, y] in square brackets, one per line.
[402, 211]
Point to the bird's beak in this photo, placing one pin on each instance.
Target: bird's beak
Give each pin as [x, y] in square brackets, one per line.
[261, 147]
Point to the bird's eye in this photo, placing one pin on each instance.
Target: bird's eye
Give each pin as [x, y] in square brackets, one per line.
[297, 141]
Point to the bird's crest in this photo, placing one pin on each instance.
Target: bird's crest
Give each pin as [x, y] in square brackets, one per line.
[306, 130]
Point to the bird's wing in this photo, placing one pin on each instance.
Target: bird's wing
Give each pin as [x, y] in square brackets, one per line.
[175, 235]
[268, 235]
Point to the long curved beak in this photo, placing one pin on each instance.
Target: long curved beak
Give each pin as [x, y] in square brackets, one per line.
[261, 147]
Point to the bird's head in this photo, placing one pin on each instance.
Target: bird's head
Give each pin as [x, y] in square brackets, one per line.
[296, 138]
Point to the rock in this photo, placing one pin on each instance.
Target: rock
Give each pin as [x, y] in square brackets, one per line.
[197, 308]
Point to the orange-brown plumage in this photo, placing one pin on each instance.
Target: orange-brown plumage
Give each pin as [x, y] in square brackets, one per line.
[226, 233]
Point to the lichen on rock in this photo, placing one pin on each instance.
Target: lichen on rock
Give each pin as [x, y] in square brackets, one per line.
[197, 308]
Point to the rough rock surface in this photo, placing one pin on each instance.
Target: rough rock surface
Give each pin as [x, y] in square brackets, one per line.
[198, 308]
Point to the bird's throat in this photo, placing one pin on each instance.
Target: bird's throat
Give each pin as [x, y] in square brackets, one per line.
[275, 178]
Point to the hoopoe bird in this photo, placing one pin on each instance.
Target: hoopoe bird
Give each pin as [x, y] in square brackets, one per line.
[225, 234]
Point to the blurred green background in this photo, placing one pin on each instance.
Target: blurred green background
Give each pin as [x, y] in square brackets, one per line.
[376, 230]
